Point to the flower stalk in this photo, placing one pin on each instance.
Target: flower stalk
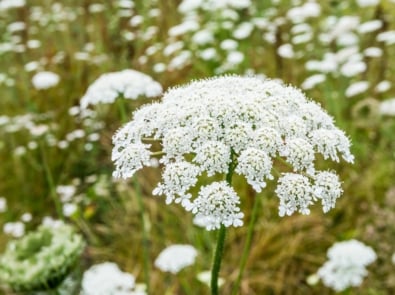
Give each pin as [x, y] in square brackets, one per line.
[219, 250]
[247, 246]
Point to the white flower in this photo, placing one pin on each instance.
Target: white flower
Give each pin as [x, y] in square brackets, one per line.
[383, 86]
[357, 88]
[69, 209]
[178, 178]
[203, 37]
[205, 278]
[176, 257]
[218, 203]
[373, 52]
[255, 164]
[313, 80]
[107, 279]
[299, 153]
[45, 80]
[229, 45]
[129, 159]
[8, 4]
[267, 139]
[365, 3]
[346, 266]
[238, 136]
[353, 68]
[176, 142]
[243, 31]
[286, 51]
[387, 107]
[330, 141]
[327, 187]
[15, 229]
[295, 193]
[214, 157]
[127, 83]
[212, 126]
[370, 26]
[388, 37]
[235, 57]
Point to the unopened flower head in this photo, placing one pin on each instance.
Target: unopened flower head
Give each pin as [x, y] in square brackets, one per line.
[346, 266]
[241, 124]
[129, 84]
[41, 259]
[176, 257]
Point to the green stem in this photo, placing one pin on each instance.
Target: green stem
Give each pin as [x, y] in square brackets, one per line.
[145, 239]
[219, 250]
[217, 259]
[51, 184]
[247, 245]
[122, 109]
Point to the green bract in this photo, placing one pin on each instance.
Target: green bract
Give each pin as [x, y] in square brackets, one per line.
[42, 259]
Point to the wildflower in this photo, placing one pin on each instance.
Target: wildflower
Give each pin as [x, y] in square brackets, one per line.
[286, 51]
[176, 257]
[313, 80]
[45, 80]
[8, 4]
[357, 88]
[387, 107]
[127, 83]
[346, 266]
[107, 279]
[205, 278]
[366, 3]
[383, 86]
[41, 259]
[218, 203]
[245, 124]
[15, 229]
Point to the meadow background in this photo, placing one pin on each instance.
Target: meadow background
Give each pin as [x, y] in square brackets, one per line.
[341, 53]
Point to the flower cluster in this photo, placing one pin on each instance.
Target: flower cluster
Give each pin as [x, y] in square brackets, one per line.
[107, 279]
[243, 124]
[176, 257]
[346, 266]
[127, 83]
[45, 80]
[42, 259]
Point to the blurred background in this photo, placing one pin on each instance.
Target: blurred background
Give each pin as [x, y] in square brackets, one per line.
[341, 53]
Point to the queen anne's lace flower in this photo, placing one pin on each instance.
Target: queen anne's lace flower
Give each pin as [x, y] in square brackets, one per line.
[130, 159]
[45, 80]
[299, 153]
[346, 266]
[240, 124]
[176, 257]
[213, 156]
[327, 188]
[255, 164]
[107, 279]
[295, 193]
[127, 83]
[267, 139]
[178, 177]
[218, 203]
